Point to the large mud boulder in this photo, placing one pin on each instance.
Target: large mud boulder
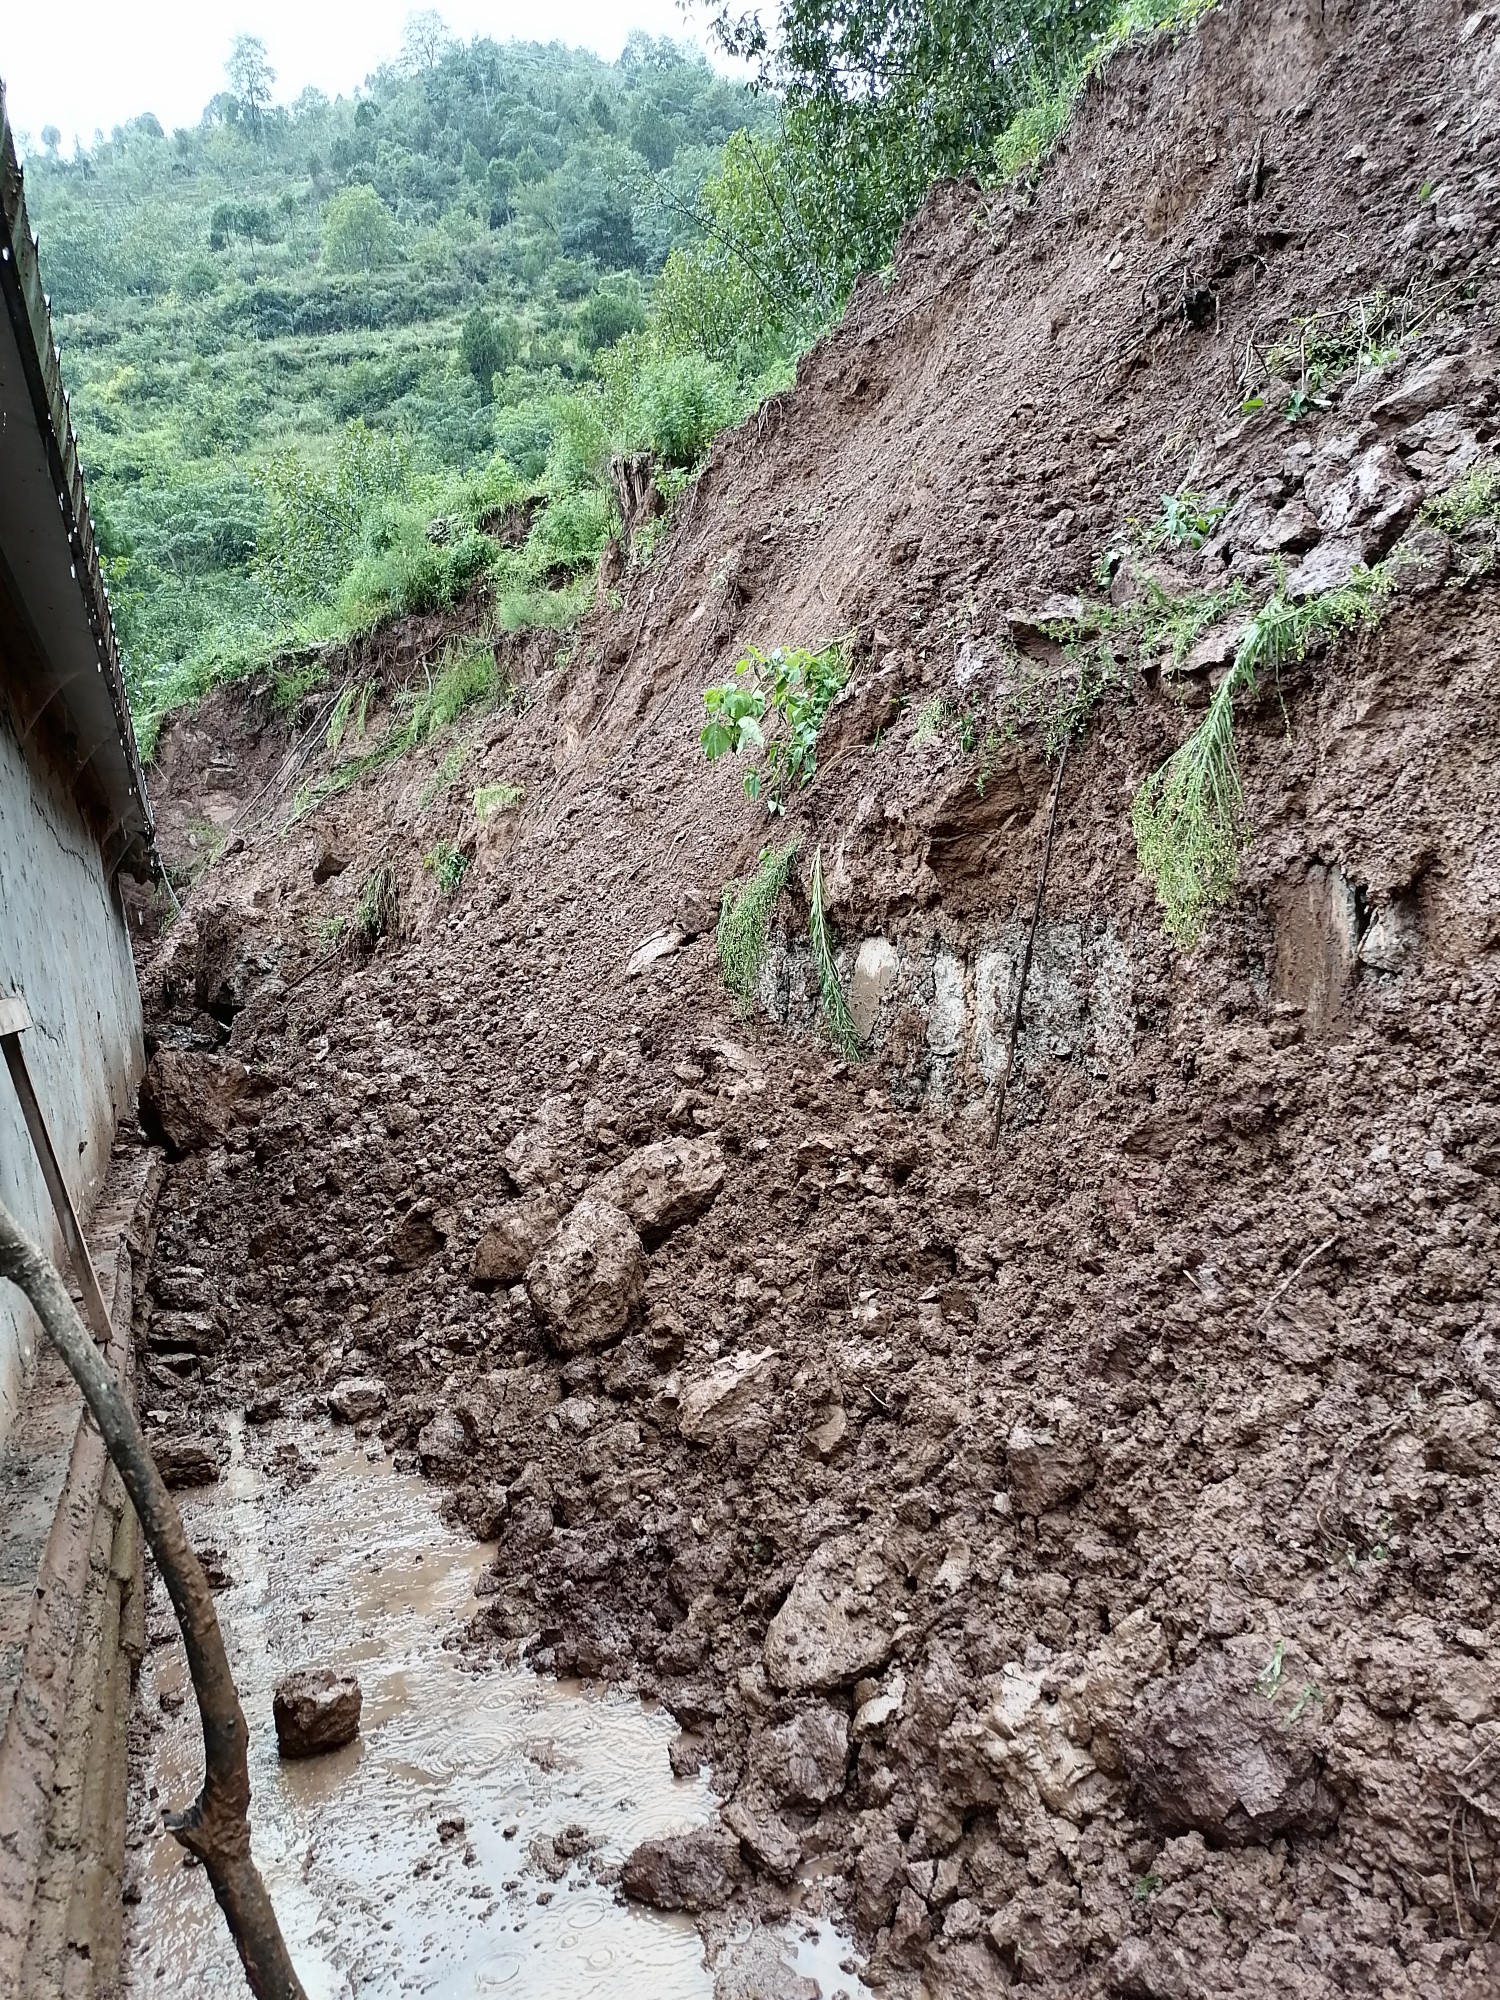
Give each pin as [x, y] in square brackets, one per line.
[189, 1099]
[836, 1622]
[586, 1282]
[316, 1710]
[684, 1871]
[664, 1185]
[509, 1242]
[802, 1762]
[1211, 1753]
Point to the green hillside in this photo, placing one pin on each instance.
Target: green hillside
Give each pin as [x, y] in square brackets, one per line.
[294, 331]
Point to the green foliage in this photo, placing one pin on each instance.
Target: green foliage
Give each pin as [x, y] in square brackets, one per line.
[488, 347]
[1188, 817]
[491, 800]
[1323, 349]
[359, 231]
[448, 863]
[790, 682]
[312, 522]
[1469, 512]
[745, 922]
[836, 1016]
[466, 679]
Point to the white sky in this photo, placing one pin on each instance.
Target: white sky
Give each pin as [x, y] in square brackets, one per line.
[98, 62]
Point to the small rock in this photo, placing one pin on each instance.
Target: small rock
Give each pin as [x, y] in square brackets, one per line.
[710, 1404]
[880, 1708]
[836, 1622]
[316, 1710]
[586, 1282]
[328, 862]
[1441, 380]
[771, 1844]
[357, 1399]
[443, 1444]
[826, 1437]
[684, 1871]
[1330, 565]
[879, 1877]
[1051, 1465]
[185, 1461]
[652, 951]
[876, 971]
[911, 1929]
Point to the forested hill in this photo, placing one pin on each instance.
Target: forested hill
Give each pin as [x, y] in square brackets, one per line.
[288, 310]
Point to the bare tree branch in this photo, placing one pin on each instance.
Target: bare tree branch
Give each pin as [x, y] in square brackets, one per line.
[216, 1827]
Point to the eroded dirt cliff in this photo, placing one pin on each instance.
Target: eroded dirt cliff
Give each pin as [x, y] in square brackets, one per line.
[1070, 1526]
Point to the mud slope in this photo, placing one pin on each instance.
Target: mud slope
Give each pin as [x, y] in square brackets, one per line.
[1072, 1531]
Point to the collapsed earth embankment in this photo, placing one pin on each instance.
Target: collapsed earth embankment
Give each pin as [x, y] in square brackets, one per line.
[1067, 1522]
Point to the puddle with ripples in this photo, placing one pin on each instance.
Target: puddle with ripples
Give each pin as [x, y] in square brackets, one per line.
[335, 1558]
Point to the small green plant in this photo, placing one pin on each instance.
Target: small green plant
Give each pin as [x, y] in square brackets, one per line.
[378, 912]
[449, 865]
[930, 719]
[1186, 521]
[1465, 512]
[491, 800]
[1270, 1674]
[1145, 1887]
[1188, 817]
[794, 684]
[745, 922]
[1475, 497]
[837, 1018]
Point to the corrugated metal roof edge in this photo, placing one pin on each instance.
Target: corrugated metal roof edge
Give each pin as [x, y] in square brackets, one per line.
[132, 814]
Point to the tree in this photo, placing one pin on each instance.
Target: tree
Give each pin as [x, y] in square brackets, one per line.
[51, 139]
[427, 40]
[359, 231]
[487, 347]
[251, 78]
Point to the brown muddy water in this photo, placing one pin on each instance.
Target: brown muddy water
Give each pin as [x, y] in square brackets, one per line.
[424, 1858]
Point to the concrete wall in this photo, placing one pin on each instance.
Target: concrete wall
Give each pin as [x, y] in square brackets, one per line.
[65, 947]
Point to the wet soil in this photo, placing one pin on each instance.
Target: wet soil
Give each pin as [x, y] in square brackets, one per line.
[469, 1841]
[1069, 1530]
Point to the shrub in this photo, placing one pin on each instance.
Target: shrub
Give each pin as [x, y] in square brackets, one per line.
[794, 684]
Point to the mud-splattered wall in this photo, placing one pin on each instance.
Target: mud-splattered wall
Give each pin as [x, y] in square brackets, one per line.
[65, 949]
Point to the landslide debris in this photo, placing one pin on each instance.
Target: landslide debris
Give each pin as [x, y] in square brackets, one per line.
[1073, 1542]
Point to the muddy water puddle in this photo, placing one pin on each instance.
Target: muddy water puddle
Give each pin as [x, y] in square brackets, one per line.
[456, 1848]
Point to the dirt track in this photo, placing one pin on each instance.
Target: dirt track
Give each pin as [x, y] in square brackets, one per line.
[1082, 1538]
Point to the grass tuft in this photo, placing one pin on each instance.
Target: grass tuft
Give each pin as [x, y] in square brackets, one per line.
[490, 800]
[1188, 817]
[745, 921]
